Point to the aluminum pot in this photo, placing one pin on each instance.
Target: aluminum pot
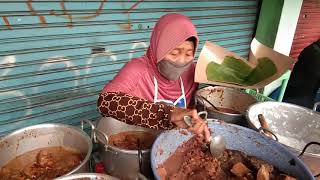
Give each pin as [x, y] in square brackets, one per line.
[237, 138]
[121, 163]
[224, 97]
[87, 176]
[46, 135]
[294, 126]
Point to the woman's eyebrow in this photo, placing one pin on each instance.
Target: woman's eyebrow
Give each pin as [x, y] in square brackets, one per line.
[182, 49]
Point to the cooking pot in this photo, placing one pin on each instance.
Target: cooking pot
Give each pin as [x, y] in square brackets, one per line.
[293, 125]
[237, 138]
[46, 135]
[87, 176]
[121, 163]
[224, 97]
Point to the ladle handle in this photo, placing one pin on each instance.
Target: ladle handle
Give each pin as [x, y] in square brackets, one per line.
[205, 99]
[188, 119]
[305, 148]
[265, 126]
[205, 113]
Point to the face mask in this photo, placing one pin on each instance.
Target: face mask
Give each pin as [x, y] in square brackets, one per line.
[172, 71]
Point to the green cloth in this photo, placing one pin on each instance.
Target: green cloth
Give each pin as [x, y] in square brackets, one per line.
[236, 71]
[268, 22]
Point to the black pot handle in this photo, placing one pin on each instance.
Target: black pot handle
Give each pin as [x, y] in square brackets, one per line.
[305, 148]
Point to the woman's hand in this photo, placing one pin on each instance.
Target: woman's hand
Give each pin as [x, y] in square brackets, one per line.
[199, 126]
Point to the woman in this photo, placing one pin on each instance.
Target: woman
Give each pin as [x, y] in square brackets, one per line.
[154, 90]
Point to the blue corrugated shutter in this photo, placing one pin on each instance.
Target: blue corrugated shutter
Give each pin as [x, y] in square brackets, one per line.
[48, 72]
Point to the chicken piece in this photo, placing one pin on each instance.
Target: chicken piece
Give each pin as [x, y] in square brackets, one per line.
[257, 164]
[17, 177]
[11, 174]
[33, 171]
[45, 159]
[162, 172]
[69, 163]
[250, 176]
[263, 173]
[286, 177]
[240, 170]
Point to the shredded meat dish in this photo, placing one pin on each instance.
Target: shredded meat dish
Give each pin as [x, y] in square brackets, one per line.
[41, 164]
[194, 161]
[131, 140]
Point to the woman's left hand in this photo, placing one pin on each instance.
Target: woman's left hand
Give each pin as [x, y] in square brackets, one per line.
[199, 126]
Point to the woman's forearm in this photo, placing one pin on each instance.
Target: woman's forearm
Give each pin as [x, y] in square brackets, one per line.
[135, 111]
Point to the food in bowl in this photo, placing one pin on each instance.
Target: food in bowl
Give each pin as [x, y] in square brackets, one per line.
[42, 164]
[192, 160]
[130, 140]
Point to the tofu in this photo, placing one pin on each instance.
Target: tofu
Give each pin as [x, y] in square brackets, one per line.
[239, 170]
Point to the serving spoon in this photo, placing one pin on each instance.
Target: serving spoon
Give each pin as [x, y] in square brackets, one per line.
[217, 144]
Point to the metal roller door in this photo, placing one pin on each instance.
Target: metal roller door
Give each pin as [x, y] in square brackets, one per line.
[51, 64]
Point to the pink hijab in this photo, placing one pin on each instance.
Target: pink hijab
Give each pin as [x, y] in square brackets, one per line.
[137, 76]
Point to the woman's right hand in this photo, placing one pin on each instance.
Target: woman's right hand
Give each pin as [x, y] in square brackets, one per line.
[199, 126]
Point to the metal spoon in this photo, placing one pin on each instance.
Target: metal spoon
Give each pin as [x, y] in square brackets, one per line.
[217, 143]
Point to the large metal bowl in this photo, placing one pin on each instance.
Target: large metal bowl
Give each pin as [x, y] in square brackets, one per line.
[294, 125]
[237, 138]
[224, 97]
[87, 176]
[46, 135]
